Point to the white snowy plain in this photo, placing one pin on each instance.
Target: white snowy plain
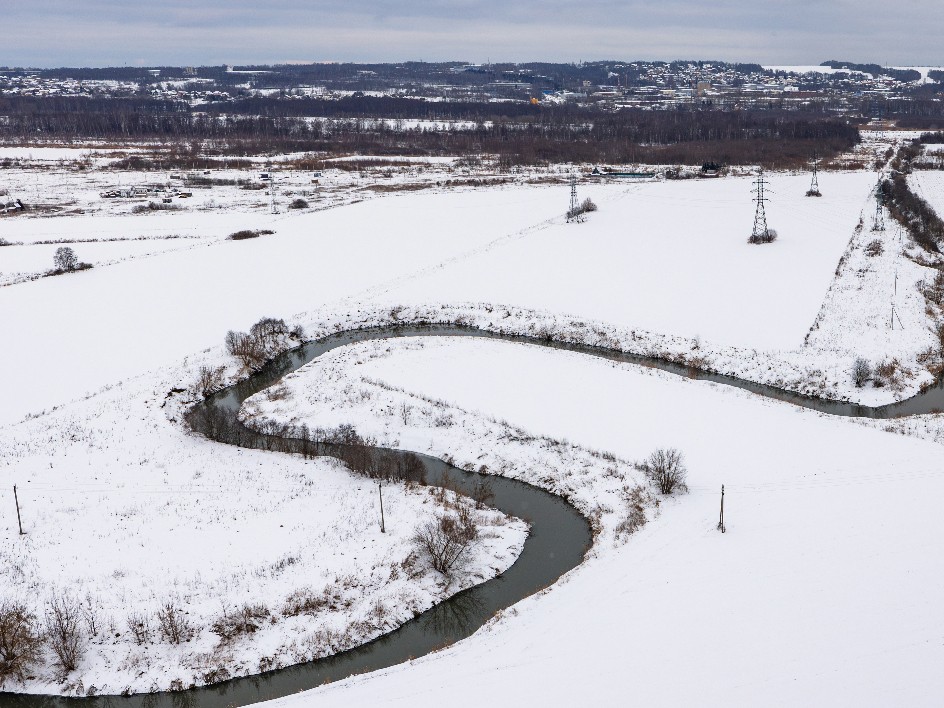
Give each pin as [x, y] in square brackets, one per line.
[143, 321]
[823, 591]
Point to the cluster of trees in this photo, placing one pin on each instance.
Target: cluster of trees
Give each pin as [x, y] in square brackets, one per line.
[267, 338]
[903, 75]
[520, 133]
[914, 213]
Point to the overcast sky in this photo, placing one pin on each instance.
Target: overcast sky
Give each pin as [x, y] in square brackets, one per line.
[47, 33]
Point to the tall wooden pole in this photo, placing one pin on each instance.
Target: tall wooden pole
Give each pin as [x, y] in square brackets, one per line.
[16, 499]
[721, 518]
[380, 492]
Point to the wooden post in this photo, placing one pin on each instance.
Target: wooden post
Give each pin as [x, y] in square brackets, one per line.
[16, 499]
[380, 492]
[721, 518]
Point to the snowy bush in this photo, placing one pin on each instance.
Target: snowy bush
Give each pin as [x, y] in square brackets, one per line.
[20, 641]
[298, 204]
[666, 470]
[248, 233]
[63, 630]
[139, 628]
[244, 620]
[769, 237]
[586, 206]
[637, 499]
[887, 374]
[446, 540]
[173, 626]
[861, 372]
[875, 248]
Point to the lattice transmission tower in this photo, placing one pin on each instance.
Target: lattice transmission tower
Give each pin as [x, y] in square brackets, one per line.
[814, 185]
[878, 221]
[761, 233]
[574, 211]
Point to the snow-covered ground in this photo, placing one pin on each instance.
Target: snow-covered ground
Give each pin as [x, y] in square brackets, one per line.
[126, 512]
[644, 261]
[824, 590]
[826, 576]
[97, 327]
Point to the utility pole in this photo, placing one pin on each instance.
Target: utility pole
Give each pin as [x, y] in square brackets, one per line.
[878, 221]
[272, 204]
[760, 234]
[16, 499]
[721, 518]
[380, 492]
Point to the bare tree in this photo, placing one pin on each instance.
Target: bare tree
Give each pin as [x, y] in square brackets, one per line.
[65, 259]
[64, 629]
[446, 540]
[209, 379]
[666, 470]
[20, 641]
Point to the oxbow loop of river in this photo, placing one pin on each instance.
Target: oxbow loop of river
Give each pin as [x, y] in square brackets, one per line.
[558, 541]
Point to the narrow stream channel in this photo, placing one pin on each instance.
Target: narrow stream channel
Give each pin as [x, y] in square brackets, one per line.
[558, 542]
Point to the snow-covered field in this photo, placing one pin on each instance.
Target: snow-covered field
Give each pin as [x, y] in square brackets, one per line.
[644, 262]
[89, 329]
[127, 513]
[826, 577]
[824, 590]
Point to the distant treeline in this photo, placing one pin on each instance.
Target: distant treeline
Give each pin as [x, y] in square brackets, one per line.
[518, 133]
[903, 75]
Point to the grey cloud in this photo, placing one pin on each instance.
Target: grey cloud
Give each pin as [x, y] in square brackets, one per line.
[56, 33]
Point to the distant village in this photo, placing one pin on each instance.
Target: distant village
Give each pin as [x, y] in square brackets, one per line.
[607, 85]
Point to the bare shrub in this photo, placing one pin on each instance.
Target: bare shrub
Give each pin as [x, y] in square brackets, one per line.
[875, 248]
[244, 620]
[446, 540]
[887, 374]
[139, 627]
[90, 615]
[64, 630]
[154, 206]
[861, 372]
[20, 641]
[305, 601]
[298, 204]
[666, 470]
[576, 214]
[173, 625]
[249, 233]
[209, 379]
[767, 237]
[636, 498]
